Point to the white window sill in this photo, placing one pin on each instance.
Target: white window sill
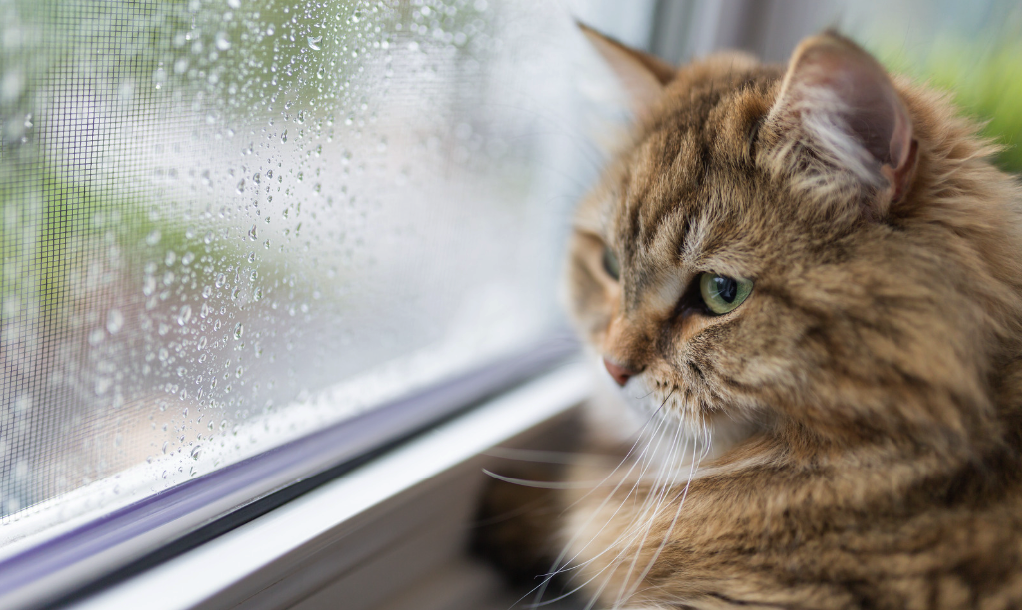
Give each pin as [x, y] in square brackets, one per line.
[369, 539]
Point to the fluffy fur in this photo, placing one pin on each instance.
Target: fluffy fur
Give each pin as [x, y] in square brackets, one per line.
[868, 391]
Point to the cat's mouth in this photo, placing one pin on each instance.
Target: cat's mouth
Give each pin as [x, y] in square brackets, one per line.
[665, 410]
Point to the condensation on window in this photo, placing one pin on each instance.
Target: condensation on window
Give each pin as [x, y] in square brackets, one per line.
[213, 211]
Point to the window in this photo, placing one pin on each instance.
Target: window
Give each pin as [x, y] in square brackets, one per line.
[245, 242]
[230, 226]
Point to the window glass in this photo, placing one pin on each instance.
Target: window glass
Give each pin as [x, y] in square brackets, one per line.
[215, 213]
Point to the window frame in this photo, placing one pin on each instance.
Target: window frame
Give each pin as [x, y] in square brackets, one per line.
[312, 543]
[95, 554]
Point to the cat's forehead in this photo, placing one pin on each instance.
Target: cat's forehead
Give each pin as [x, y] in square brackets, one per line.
[691, 165]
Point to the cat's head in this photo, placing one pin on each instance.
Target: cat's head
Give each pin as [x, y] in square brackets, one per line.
[811, 248]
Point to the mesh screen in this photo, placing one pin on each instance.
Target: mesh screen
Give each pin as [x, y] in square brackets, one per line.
[215, 211]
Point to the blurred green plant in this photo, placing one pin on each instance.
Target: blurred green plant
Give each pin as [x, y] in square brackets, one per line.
[983, 75]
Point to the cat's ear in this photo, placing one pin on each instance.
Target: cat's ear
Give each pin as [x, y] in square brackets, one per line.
[840, 99]
[642, 75]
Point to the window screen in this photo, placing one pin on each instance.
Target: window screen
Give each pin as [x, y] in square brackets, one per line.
[229, 223]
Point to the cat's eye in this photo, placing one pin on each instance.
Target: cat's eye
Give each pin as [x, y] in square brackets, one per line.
[722, 294]
[610, 263]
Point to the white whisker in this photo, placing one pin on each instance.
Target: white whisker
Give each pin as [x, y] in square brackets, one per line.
[560, 565]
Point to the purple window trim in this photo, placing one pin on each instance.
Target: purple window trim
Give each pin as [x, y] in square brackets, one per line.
[57, 567]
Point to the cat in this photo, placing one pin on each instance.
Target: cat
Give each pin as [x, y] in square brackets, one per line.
[807, 280]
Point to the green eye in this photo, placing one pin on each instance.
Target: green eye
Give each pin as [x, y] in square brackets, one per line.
[721, 293]
[611, 264]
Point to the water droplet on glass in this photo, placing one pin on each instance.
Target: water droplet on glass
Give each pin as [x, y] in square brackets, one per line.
[126, 90]
[187, 259]
[195, 452]
[252, 233]
[164, 354]
[114, 321]
[96, 336]
[239, 372]
[258, 294]
[207, 291]
[222, 42]
[102, 385]
[202, 342]
[253, 276]
[170, 258]
[313, 40]
[241, 186]
[283, 136]
[319, 73]
[239, 330]
[234, 3]
[11, 86]
[184, 315]
[154, 237]
[221, 279]
[216, 325]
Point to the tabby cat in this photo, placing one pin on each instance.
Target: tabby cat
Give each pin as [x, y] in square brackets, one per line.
[808, 282]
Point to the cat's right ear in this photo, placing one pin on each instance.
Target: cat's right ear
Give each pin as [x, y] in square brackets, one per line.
[642, 75]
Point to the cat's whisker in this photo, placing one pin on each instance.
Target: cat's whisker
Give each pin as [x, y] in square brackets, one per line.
[560, 565]
[654, 502]
[543, 484]
[659, 492]
[677, 513]
[661, 486]
[618, 543]
[646, 462]
[638, 439]
[629, 535]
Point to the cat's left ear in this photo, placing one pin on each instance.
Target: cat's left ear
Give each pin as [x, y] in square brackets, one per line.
[642, 75]
[839, 96]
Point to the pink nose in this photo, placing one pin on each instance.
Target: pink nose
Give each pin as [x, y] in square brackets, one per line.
[619, 373]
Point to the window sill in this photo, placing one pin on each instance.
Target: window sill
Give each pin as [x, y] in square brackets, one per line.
[388, 528]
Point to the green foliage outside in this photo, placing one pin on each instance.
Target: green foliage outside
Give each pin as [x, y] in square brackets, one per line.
[985, 78]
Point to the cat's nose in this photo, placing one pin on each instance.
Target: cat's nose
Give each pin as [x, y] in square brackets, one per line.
[619, 373]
